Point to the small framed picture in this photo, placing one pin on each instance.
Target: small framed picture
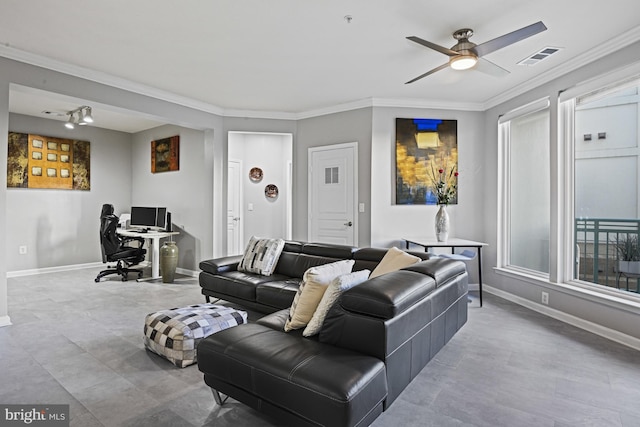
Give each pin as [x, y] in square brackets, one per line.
[52, 145]
[36, 143]
[36, 155]
[36, 171]
[64, 173]
[52, 172]
[52, 157]
[64, 158]
[64, 147]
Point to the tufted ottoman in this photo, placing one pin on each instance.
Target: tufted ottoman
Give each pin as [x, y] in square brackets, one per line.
[174, 334]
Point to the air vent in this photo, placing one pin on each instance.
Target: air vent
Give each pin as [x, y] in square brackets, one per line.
[539, 56]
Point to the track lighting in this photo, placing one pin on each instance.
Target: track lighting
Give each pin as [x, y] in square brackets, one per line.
[70, 123]
[80, 116]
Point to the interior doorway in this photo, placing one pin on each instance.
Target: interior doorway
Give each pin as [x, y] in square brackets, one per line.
[262, 186]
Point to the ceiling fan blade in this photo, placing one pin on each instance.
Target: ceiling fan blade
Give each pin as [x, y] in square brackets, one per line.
[488, 67]
[507, 39]
[433, 46]
[443, 66]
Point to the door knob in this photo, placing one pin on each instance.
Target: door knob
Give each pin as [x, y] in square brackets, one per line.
[348, 224]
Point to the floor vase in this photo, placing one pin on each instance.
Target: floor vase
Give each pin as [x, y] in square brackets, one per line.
[442, 224]
[168, 261]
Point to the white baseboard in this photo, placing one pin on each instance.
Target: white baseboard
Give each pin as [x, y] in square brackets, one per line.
[600, 330]
[5, 321]
[186, 272]
[20, 273]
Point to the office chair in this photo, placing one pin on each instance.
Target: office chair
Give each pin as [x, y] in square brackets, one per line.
[114, 248]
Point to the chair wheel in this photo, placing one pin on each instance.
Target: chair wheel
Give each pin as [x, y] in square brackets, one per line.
[140, 275]
[124, 279]
[97, 280]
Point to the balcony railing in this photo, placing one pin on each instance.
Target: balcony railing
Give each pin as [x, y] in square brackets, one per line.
[596, 257]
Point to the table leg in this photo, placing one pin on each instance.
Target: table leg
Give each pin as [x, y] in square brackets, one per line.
[155, 258]
[480, 273]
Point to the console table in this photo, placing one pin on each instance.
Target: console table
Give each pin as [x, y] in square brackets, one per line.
[452, 243]
[153, 239]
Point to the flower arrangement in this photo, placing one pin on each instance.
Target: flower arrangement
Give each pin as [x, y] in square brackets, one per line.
[444, 183]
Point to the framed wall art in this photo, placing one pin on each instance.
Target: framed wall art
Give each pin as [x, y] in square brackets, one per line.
[37, 161]
[423, 148]
[165, 154]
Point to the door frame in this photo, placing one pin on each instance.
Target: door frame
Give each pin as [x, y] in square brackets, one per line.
[313, 150]
[240, 224]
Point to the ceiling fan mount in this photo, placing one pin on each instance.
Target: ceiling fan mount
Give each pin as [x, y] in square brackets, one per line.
[466, 54]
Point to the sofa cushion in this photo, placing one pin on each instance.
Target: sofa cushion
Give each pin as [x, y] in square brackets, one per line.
[261, 256]
[394, 259]
[236, 283]
[278, 293]
[334, 290]
[310, 292]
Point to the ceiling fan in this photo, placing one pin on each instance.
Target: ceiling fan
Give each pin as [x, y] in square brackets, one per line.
[466, 54]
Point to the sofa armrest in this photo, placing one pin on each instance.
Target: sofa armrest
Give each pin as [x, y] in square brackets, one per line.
[221, 265]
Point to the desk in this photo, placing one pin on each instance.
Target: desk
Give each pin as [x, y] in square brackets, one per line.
[451, 243]
[153, 239]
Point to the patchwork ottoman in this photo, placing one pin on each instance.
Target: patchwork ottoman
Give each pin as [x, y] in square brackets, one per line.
[174, 334]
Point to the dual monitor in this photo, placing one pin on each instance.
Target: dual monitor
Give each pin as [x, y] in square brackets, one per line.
[153, 218]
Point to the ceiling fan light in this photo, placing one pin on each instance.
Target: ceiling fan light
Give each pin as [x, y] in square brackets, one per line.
[463, 62]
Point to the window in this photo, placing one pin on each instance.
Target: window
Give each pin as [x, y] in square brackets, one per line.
[525, 189]
[604, 156]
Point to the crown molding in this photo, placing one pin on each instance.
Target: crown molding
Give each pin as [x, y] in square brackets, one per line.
[257, 114]
[427, 103]
[106, 79]
[617, 43]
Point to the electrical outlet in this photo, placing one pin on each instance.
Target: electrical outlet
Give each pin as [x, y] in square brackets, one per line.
[545, 298]
[22, 250]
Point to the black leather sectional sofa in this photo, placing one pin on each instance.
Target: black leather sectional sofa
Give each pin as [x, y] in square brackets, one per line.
[374, 341]
[220, 278]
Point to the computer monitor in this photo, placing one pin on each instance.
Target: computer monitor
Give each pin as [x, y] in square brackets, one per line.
[148, 217]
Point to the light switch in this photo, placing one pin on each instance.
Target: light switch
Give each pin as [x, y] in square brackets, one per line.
[360, 207]
[250, 207]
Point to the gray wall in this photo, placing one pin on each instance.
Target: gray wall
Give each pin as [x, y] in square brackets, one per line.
[179, 191]
[391, 222]
[4, 129]
[585, 308]
[338, 128]
[60, 227]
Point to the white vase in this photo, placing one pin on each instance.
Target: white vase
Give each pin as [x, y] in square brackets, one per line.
[442, 224]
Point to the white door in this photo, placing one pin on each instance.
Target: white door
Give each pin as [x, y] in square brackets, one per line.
[332, 194]
[234, 203]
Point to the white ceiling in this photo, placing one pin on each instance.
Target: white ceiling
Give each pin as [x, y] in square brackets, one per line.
[299, 57]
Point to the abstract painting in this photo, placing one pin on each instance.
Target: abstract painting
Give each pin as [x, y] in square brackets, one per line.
[165, 154]
[37, 161]
[423, 147]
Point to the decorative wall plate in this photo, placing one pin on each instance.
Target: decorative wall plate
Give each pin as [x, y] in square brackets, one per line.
[271, 191]
[255, 174]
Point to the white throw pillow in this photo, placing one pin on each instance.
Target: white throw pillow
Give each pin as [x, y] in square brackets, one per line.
[336, 288]
[314, 283]
[393, 260]
[261, 256]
